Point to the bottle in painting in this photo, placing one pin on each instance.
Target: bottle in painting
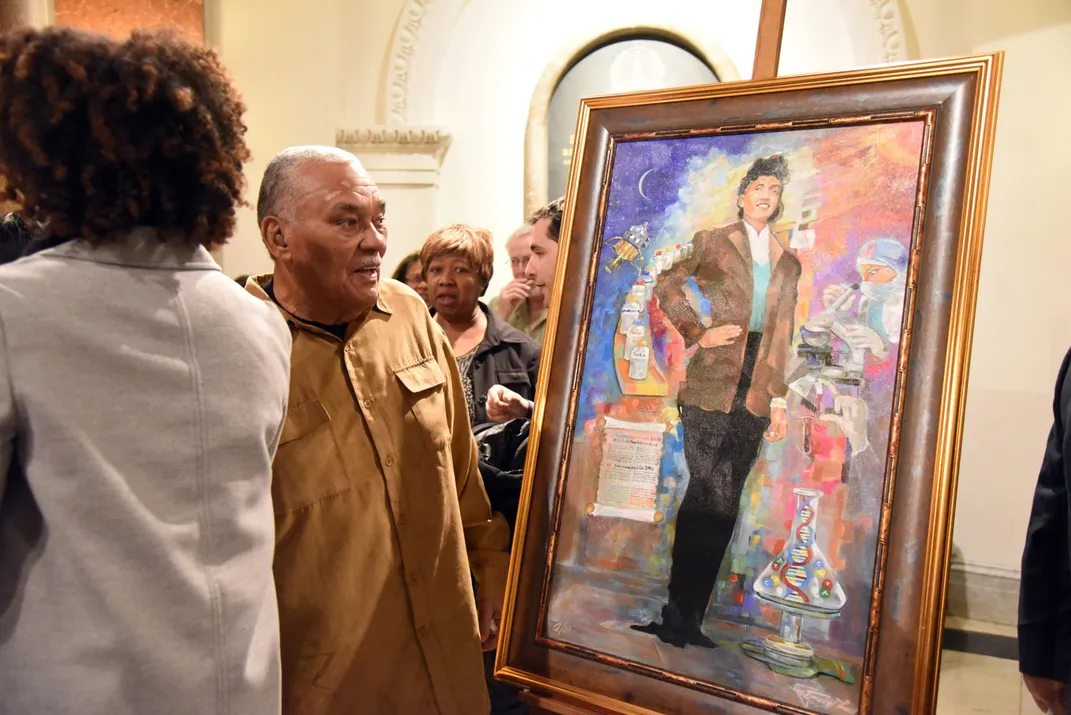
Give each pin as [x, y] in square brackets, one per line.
[635, 334]
[649, 282]
[630, 315]
[639, 361]
[638, 292]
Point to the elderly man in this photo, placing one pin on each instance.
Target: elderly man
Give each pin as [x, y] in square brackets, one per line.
[522, 303]
[376, 487]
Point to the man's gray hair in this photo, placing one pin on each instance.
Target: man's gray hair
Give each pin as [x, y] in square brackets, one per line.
[278, 182]
[521, 232]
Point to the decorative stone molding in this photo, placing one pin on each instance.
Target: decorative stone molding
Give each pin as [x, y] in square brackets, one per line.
[396, 155]
[891, 28]
[405, 40]
[426, 141]
[983, 593]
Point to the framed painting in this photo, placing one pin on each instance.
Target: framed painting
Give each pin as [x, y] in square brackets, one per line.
[741, 478]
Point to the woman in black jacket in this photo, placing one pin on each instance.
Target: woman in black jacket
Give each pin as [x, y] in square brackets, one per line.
[458, 262]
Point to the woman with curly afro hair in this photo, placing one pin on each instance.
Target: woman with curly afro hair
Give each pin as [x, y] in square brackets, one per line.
[142, 392]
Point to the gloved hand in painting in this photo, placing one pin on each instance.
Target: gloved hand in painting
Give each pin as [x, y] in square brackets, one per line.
[850, 416]
[862, 336]
[830, 294]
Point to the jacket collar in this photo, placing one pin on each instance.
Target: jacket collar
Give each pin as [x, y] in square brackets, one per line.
[255, 286]
[498, 330]
[738, 237]
[139, 249]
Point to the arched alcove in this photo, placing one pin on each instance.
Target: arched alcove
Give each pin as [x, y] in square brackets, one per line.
[549, 116]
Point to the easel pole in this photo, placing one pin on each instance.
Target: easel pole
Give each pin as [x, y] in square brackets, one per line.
[768, 44]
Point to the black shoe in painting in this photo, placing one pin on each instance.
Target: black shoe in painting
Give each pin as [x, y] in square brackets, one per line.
[700, 639]
[679, 637]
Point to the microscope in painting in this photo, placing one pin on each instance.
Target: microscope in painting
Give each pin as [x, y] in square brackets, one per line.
[825, 364]
[828, 382]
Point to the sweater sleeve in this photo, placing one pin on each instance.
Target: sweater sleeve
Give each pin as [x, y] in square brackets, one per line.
[7, 413]
[671, 297]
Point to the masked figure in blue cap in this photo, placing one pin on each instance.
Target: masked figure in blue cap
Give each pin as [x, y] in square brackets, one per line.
[867, 317]
[882, 265]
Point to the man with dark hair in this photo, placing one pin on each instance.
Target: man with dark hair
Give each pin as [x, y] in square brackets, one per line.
[546, 228]
[377, 491]
[142, 392]
[734, 389]
[504, 404]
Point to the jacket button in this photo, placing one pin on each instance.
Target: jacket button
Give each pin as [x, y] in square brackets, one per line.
[389, 461]
[368, 404]
[403, 520]
[482, 400]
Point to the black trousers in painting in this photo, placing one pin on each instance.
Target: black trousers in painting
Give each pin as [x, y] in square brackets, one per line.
[720, 449]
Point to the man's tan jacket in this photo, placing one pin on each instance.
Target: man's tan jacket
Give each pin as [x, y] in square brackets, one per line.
[377, 500]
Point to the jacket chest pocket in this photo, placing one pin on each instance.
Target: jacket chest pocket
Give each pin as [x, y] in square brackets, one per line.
[308, 466]
[423, 387]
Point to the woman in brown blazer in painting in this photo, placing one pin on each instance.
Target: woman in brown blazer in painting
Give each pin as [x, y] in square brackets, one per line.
[734, 389]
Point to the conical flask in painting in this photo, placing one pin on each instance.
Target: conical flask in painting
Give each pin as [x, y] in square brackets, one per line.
[800, 579]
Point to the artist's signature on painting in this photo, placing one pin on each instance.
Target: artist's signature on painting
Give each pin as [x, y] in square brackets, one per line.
[560, 628]
[814, 697]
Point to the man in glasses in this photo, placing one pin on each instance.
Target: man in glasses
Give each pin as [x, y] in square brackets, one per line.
[522, 303]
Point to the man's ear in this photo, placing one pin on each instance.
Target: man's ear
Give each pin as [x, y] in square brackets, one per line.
[271, 233]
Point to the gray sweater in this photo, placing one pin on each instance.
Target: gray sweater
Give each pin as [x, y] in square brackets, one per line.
[142, 393]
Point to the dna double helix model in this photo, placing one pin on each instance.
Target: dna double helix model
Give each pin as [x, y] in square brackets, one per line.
[797, 573]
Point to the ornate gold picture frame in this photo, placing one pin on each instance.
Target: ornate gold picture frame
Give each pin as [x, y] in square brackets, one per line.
[741, 480]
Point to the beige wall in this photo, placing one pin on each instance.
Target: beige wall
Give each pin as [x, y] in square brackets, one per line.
[1023, 323]
[306, 68]
[312, 67]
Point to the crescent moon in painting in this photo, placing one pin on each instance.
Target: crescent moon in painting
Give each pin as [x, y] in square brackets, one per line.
[641, 184]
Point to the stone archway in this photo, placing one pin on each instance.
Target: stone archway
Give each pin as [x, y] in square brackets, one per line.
[535, 135]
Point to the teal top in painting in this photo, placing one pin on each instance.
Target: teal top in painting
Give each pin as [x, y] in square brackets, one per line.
[761, 274]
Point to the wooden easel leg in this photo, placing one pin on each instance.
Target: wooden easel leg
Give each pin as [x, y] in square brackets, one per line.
[768, 45]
